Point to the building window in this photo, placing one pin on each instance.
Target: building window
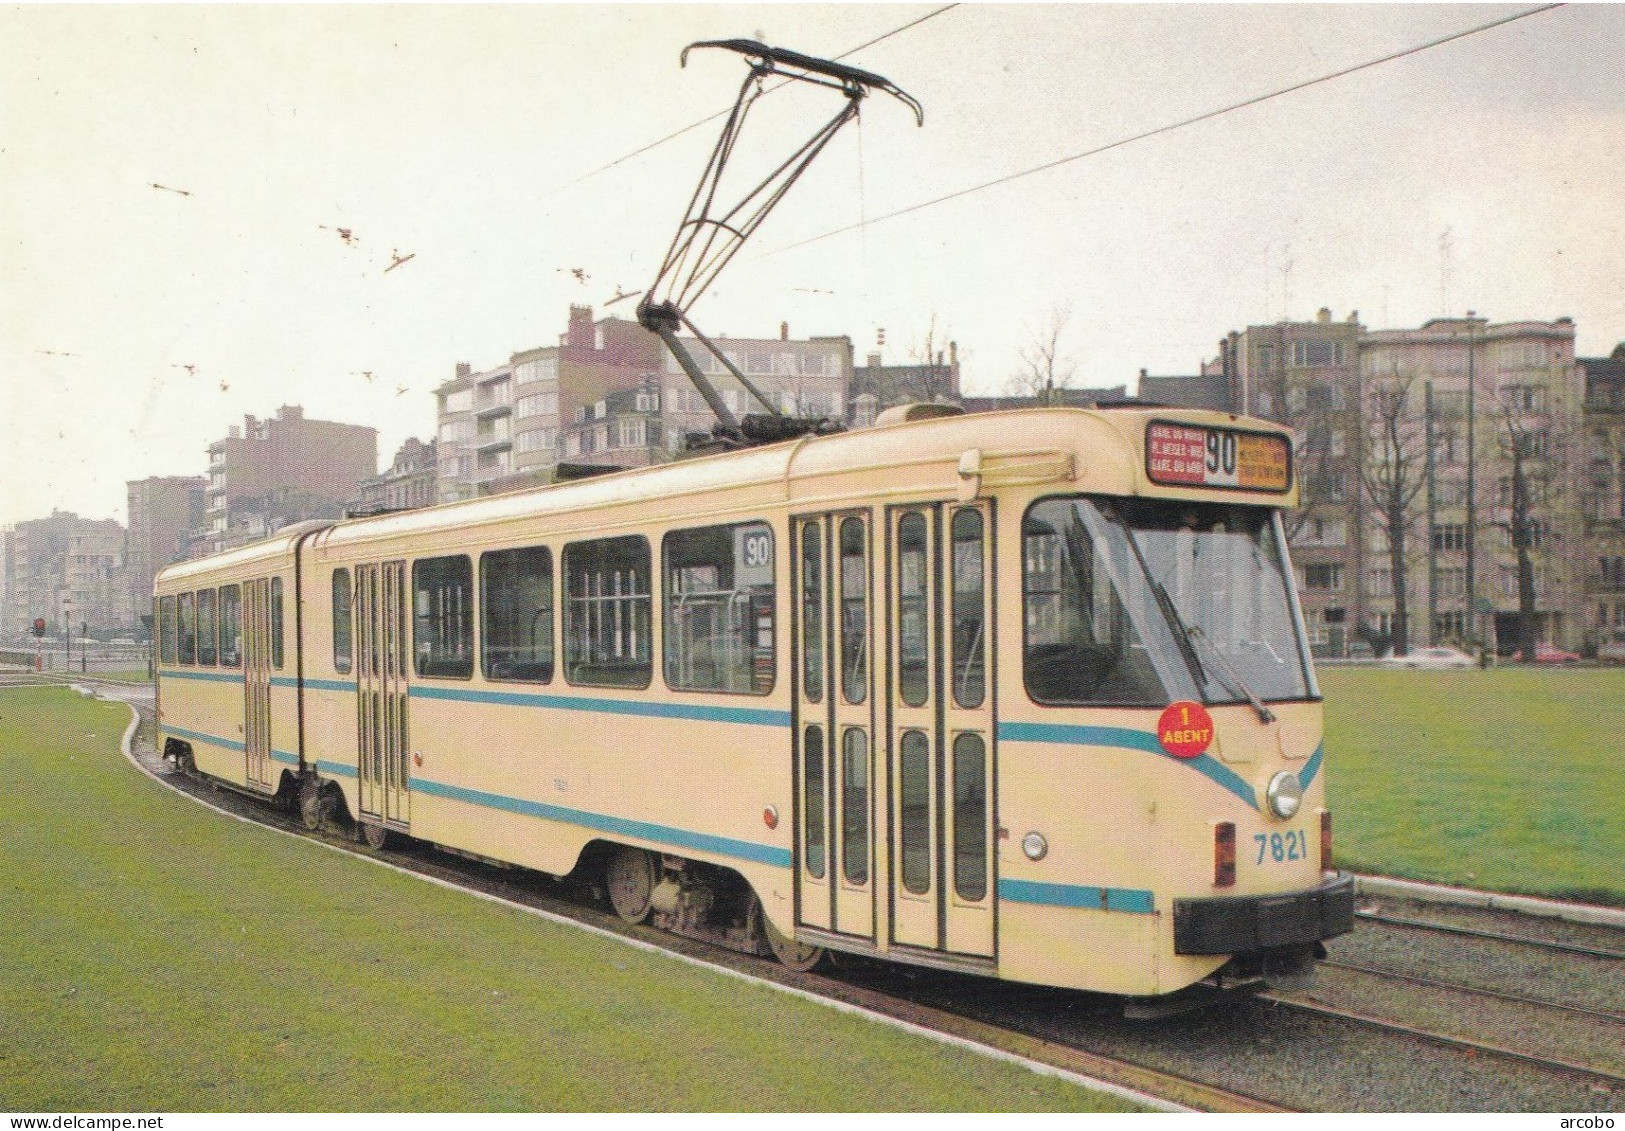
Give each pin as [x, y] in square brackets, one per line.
[607, 629]
[1450, 536]
[537, 404]
[516, 603]
[1317, 354]
[632, 433]
[720, 607]
[1323, 575]
[343, 647]
[443, 617]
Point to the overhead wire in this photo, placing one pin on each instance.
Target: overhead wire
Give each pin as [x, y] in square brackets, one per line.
[1172, 126]
[724, 113]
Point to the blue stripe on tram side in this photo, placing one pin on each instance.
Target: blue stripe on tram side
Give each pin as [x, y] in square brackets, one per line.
[693, 712]
[1077, 895]
[211, 739]
[1125, 739]
[665, 834]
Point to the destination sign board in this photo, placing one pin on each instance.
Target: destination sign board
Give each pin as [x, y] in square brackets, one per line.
[1200, 455]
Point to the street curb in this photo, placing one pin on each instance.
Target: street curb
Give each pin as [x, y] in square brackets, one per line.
[1495, 901]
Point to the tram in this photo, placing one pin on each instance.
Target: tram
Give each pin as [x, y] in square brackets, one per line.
[1022, 694]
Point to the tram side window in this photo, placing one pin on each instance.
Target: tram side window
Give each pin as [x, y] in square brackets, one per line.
[343, 643]
[968, 610]
[205, 628]
[516, 609]
[1081, 647]
[276, 623]
[187, 652]
[231, 626]
[608, 628]
[443, 617]
[166, 630]
[719, 633]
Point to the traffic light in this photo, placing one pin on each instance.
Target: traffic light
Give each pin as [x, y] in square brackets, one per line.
[39, 626]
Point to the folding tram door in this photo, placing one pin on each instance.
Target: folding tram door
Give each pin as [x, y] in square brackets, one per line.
[834, 695]
[939, 749]
[256, 630]
[381, 693]
[931, 767]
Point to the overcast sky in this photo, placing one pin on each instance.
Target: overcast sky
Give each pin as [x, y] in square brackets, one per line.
[173, 181]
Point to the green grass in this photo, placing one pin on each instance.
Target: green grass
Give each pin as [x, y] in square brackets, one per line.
[1509, 780]
[154, 956]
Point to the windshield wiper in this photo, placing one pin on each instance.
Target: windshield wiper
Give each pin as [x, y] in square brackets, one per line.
[1237, 684]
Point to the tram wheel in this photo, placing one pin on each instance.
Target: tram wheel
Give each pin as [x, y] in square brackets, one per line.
[376, 836]
[798, 956]
[630, 877]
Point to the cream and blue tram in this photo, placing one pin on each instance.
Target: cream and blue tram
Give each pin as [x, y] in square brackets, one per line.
[1022, 694]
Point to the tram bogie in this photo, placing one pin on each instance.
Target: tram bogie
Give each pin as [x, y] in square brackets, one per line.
[1021, 694]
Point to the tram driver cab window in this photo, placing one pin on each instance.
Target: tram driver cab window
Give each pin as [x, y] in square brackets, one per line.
[1081, 644]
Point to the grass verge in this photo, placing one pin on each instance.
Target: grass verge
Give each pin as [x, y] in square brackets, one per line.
[1508, 780]
[156, 957]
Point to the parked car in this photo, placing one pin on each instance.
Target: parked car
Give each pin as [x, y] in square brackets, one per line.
[1612, 650]
[1546, 654]
[1438, 657]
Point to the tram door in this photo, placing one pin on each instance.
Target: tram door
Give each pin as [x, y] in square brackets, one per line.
[381, 658]
[940, 745]
[255, 625]
[835, 777]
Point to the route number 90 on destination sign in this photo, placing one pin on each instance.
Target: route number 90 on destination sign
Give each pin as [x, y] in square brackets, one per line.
[1193, 455]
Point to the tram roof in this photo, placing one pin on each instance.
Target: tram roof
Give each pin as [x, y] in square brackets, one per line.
[1087, 450]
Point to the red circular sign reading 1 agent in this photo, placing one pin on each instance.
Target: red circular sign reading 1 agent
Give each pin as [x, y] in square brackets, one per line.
[1185, 729]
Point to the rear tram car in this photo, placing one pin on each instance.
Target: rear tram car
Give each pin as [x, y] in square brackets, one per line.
[1020, 694]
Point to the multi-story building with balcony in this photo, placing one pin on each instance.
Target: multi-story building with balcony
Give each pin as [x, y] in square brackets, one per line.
[271, 473]
[68, 571]
[1602, 501]
[410, 481]
[610, 395]
[1457, 438]
[163, 511]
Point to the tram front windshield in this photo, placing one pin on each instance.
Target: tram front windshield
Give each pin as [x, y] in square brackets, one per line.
[1133, 602]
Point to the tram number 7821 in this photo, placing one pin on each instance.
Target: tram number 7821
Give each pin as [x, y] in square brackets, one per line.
[1282, 847]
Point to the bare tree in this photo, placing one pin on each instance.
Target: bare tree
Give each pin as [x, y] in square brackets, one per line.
[1526, 441]
[1044, 368]
[931, 377]
[1392, 477]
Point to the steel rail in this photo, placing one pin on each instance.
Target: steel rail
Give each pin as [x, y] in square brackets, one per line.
[1479, 991]
[1475, 932]
[1551, 1064]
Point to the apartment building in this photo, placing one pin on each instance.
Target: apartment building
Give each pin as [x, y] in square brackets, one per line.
[68, 571]
[1602, 500]
[163, 511]
[610, 395]
[1438, 467]
[271, 473]
[410, 481]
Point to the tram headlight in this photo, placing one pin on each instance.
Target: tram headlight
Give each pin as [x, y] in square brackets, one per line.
[1035, 846]
[1285, 794]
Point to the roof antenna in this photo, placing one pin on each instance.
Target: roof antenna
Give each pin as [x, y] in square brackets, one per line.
[711, 233]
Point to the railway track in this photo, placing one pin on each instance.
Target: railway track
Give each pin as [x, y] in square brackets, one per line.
[1201, 1062]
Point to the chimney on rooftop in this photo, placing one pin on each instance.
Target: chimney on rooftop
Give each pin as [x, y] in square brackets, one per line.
[784, 331]
[580, 335]
[464, 369]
